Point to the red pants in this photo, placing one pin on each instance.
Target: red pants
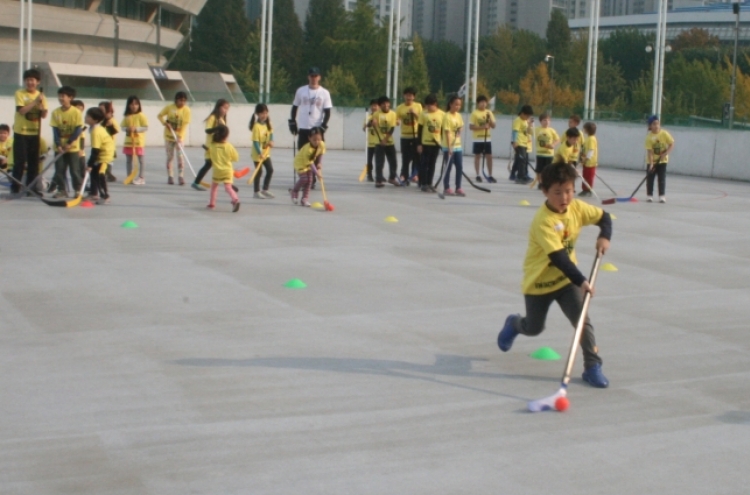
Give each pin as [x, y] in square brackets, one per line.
[589, 174]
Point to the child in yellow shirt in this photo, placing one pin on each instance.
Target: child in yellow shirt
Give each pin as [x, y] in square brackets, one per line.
[481, 122]
[223, 154]
[659, 144]
[31, 108]
[102, 155]
[408, 116]
[175, 119]
[589, 158]
[431, 131]
[384, 122]
[262, 137]
[304, 162]
[67, 127]
[452, 149]
[6, 145]
[372, 138]
[136, 125]
[520, 141]
[550, 272]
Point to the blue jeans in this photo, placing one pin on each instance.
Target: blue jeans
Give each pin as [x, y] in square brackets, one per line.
[457, 160]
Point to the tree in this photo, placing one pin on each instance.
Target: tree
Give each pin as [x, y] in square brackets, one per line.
[559, 40]
[695, 38]
[446, 64]
[288, 37]
[323, 17]
[627, 48]
[535, 90]
[415, 70]
[694, 88]
[611, 87]
[219, 37]
[342, 82]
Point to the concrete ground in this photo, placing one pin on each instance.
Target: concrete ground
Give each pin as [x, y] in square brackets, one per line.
[171, 359]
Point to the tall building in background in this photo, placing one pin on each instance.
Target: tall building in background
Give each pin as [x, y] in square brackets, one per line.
[531, 15]
[440, 20]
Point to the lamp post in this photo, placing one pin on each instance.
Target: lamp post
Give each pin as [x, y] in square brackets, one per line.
[658, 90]
[548, 59]
[404, 45]
[736, 9]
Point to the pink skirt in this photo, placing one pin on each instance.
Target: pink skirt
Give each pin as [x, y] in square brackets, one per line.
[128, 150]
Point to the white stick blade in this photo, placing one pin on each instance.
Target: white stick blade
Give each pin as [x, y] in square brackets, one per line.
[546, 404]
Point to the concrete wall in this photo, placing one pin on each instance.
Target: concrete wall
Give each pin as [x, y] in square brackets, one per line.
[698, 152]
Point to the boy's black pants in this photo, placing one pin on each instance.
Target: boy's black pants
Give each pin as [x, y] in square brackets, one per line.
[25, 156]
[660, 171]
[381, 153]
[409, 156]
[429, 159]
[521, 163]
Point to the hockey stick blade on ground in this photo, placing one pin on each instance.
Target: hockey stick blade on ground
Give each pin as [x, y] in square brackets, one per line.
[468, 179]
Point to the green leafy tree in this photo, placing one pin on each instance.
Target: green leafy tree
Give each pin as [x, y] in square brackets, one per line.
[288, 37]
[323, 18]
[415, 72]
[559, 40]
[446, 64]
[342, 82]
[627, 48]
[694, 88]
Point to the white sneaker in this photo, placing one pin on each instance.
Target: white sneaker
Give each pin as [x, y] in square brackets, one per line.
[304, 202]
[650, 199]
[258, 196]
[662, 199]
[139, 181]
[267, 194]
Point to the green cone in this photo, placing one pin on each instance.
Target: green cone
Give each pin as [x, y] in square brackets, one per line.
[295, 283]
[129, 225]
[545, 354]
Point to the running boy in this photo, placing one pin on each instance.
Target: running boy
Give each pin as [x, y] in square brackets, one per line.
[481, 121]
[520, 142]
[372, 138]
[31, 108]
[175, 119]
[589, 158]
[550, 272]
[223, 154]
[102, 155]
[431, 130]
[384, 122]
[67, 127]
[310, 154]
[546, 140]
[659, 144]
[408, 115]
[136, 125]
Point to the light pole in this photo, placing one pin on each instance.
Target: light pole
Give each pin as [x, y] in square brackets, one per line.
[658, 91]
[548, 59]
[404, 45]
[736, 9]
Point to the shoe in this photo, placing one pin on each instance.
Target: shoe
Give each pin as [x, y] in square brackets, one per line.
[662, 199]
[60, 194]
[478, 179]
[370, 179]
[404, 181]
[448, 192]
[650, 199]
[103, 201]
[210, 207]
[111, 178]
[181, 181]
[170, 181]
[393, 182]
[512, 177]
[236, 207]
[491, 179]
[293, 196]
[460, 192]
[267, 194]
[304, 202]
[258, 196]
[593, 376]
[51, 189]
[425, 189]
[379, 185]
[195, 186]
[508, 334]
[415, 179]
[234, 188]
[93, 199]
[139, 181]
[524, 180]
[432, 189]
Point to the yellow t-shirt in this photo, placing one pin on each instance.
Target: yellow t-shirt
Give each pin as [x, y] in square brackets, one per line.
[432, 127]
[6, 151]
[178, 118]
[261, 135]
[452, 124]
[658, 143]
[551, 231]
[521, 129]
[66, 122]
[385, 122]
[28, 124]
[307, 155]
[211, 122]
[591, 152]
[408, 115]
[481, 118]
[135, 120]
[222, 156]
[567, 154]
[372, 137]
[101, 139]
[545, 137]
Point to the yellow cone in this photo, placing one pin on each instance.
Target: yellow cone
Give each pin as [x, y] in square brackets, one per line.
[391, 219]
[317, 205]
[609, 267]
[524, 203]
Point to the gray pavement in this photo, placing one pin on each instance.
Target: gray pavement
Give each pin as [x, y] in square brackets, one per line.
[170, 359]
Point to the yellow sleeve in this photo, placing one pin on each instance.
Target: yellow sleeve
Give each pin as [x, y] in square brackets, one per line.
[162, 114]
[96, 138]
[233, 155]
[590, 214]
[256, 133]
[668, 138]
[19, 98]
[187, 115]
[517, 125]
[474, 119]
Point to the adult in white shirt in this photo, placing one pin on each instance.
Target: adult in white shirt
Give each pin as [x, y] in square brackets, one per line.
[312, 103]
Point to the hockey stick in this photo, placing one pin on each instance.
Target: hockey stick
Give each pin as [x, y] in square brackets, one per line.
[129, 179]
[69, 203]
[606, 185]
[257, 168]
[474, 185]
[184, 155]
[632, 196]
[548, 403]
[367, 142]
[484, 149]
[447, 167]
[30, 186]
[328, 206]
[584, 181]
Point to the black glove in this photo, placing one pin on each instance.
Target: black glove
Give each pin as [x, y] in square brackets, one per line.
[293, 126]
